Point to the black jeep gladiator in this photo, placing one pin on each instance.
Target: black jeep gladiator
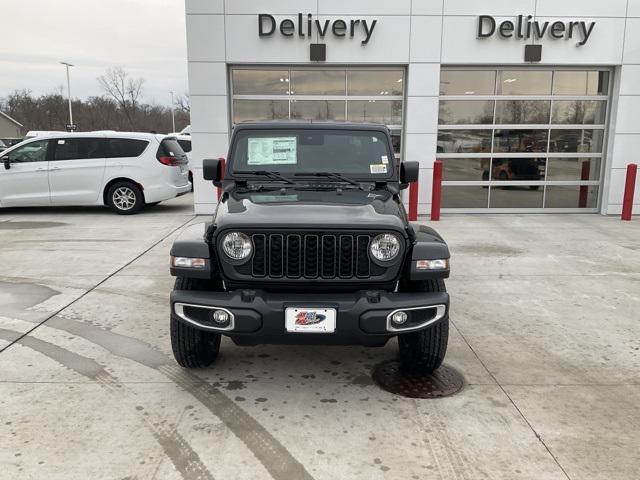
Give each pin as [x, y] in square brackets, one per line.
[310, 244]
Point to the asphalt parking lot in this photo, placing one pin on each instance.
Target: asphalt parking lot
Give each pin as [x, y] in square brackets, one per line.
[546, 331]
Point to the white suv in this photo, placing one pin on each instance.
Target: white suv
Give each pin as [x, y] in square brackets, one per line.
[125, 171]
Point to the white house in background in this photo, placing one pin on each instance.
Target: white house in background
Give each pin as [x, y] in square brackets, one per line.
[530, 105]
[10, 128]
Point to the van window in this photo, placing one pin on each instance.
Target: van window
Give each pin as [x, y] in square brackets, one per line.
[125, 147]
[30, 152]
[171, 148]
[186, 145]
[78, 148]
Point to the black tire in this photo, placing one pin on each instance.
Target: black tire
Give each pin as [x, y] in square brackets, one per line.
[425, 350]
[193, 348]
[125, 198]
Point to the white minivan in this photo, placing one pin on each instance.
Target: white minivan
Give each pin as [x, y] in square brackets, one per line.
[123, 170]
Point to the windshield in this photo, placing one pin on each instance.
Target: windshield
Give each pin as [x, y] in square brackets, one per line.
[359, 154]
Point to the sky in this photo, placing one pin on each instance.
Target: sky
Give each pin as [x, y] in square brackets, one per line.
[145, 37]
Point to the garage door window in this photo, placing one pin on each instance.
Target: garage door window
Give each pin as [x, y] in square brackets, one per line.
[522, 138]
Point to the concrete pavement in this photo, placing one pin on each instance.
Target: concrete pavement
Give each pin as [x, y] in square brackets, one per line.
[546, 331]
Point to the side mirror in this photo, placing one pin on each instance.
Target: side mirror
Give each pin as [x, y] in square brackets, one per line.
[409, 172]
[212, 170]
[7, 162]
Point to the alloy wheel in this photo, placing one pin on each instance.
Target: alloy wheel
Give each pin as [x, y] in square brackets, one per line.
[124, 198]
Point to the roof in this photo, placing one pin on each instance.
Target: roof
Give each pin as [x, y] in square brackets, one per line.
[98, 133]
[11, 119]
[337, 125]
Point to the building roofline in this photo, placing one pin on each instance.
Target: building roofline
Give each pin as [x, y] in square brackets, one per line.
[11, 119]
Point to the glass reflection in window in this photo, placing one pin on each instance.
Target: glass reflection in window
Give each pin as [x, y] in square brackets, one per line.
[465, 169]
[579, 112]
[522, 111]
[317, 109]
[572, 141]
[464, 141]
[518, 169]
[375, 82]
[571, 196]
[379, 111]
[467, 82]
[522, 141]
[573, 82]
[260, 110]
[317, 82]
[526, 196]
[573, 169]
[524, 82]
[472, 112]
[464, 197]
[260, 82]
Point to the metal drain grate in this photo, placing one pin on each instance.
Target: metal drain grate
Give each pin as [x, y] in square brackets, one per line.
[443, 382]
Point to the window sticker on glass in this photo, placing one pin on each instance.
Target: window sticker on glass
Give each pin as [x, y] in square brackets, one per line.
[384, 159]
[60, 142]
[272, 151]
[378, 168]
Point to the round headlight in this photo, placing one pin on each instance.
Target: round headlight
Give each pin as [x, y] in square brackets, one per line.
[385, 247]
[237, 245]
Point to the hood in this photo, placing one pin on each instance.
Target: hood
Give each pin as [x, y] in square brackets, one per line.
[311, 209]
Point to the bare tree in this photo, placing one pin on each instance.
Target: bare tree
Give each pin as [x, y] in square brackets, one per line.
[183, 103]
[124, 89]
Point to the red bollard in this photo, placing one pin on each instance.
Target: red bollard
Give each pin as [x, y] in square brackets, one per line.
[413, 201]
[584, 189]
[436, 192]
[222, 168]
[629, 188]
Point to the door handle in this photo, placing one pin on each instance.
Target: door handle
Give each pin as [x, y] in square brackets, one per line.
[41, 169]
[54, 168]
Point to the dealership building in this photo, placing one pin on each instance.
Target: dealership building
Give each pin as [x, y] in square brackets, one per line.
[531, 105]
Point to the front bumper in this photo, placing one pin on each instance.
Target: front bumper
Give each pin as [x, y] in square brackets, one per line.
[362, 318]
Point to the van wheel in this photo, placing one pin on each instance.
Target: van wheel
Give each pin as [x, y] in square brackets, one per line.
[125, 198]
[193, 348]
[424, 351]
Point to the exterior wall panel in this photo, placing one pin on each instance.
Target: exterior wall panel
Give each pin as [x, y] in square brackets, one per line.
[421, 35]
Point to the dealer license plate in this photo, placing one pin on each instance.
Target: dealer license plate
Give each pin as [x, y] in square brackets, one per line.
[310, 320]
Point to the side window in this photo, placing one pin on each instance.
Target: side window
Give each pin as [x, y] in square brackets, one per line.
[78, 148]
[31, 152]
[125, 147]
[186, 145]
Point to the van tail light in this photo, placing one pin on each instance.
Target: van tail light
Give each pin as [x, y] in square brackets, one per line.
[172, 161]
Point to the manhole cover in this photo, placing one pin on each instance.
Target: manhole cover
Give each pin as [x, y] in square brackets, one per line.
[443, 382]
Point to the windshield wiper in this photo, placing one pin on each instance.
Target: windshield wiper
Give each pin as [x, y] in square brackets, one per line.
[333, 175]
[269, 174]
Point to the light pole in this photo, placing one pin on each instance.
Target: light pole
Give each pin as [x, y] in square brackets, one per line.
[66, 64]
[173, 116]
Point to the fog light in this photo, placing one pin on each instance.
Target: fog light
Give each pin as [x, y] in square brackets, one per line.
[399, 318]
[439, 264]
[187, 262]
[220, 316]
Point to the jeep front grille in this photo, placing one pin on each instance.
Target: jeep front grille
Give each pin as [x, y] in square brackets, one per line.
[311, 255]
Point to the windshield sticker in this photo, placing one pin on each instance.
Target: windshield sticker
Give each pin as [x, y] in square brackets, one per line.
[272, 151]
[384, 159]
[378, 168]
